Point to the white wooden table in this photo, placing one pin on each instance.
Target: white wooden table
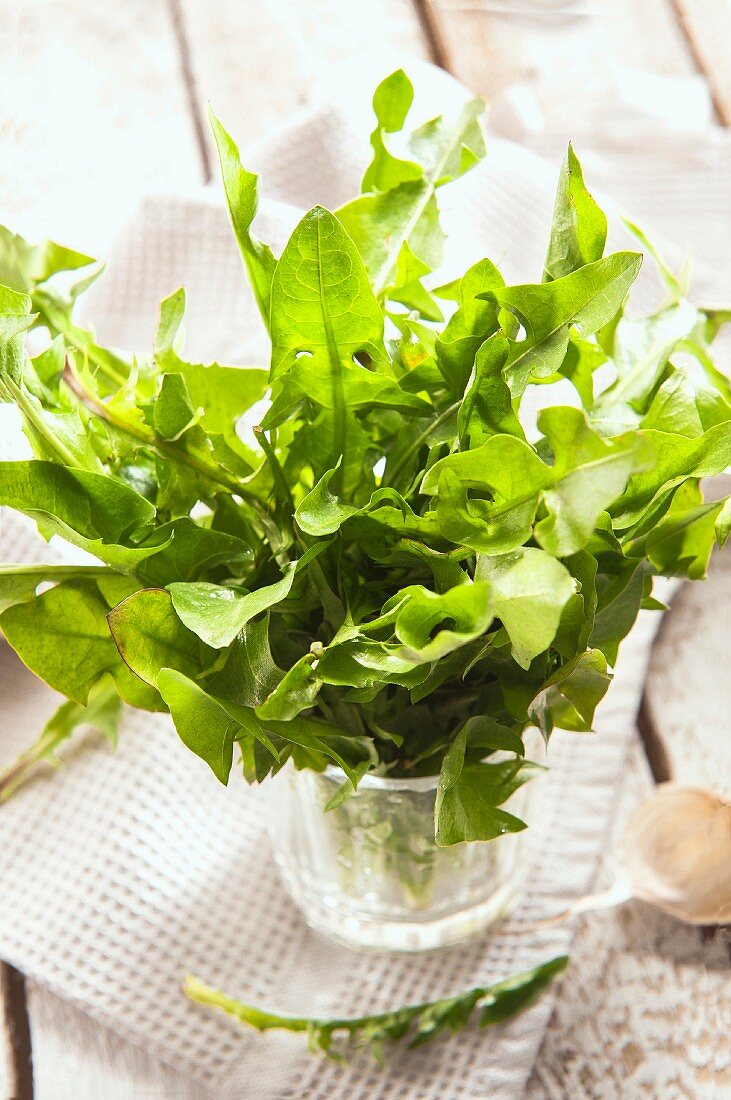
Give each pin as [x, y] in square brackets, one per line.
[100, 99]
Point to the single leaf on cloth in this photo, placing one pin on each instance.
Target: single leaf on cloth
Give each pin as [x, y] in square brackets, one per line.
[472, 322]
[487, 407]
[102, 712]
[63, 637]
[217, 614]
[420, 1023]
[569, 698]
[588, 298]
[579, 229]
[242, 197]
[150, 637]
[528, 590]
[468, 796]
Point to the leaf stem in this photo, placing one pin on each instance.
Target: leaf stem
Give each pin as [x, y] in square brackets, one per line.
[21, 399]
[280, 481]
[415, 445]
[166, 447]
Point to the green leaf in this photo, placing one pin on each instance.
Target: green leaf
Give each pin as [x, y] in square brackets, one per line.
[468, 796]
[641, 348]
[382, 225]
[322, 304]
[579, 229]
[183, 550]
[348, 752]
[295, 692]
[209, 725]
[15, 318]
[676, 458]
[62, 636]
[589, 474]
[487, 408]
[322, 513]
[513, 474]
[588, 298]
[90, 510]
[680, 544]
[18, 583]
[430, 625]
[422, 1022]
[619, 600]
[569, 698]
[217, 614]
[173, 413]
[472, 322]
[150, 637]
[683, 407]
[529, 590]
[202, 723]
[324, 316]
[242, 198]
[391, 104]
[223, 393]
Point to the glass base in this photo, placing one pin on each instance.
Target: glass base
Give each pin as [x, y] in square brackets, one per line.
[370, 933]
[368, 873]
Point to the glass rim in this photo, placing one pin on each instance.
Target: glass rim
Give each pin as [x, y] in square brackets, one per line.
[419, 784]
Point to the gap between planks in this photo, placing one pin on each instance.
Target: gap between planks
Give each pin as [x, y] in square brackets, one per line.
[14, 1016]
[190, 83]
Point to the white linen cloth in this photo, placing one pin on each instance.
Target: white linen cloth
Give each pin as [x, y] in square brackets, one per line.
[124, 871]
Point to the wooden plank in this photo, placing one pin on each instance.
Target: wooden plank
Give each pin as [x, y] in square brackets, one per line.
[688, 696]
[93, 114]
[16, 1067]
[639, 1011]
[707, 25]
[76, 1057]
[259, 63]
[492, 45]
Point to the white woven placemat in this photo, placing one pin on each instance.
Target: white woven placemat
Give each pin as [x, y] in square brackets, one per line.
[125, 871]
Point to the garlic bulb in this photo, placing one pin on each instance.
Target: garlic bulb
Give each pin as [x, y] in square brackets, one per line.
[676, 854]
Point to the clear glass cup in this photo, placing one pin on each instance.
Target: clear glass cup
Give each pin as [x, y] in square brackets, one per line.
[369, 874]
